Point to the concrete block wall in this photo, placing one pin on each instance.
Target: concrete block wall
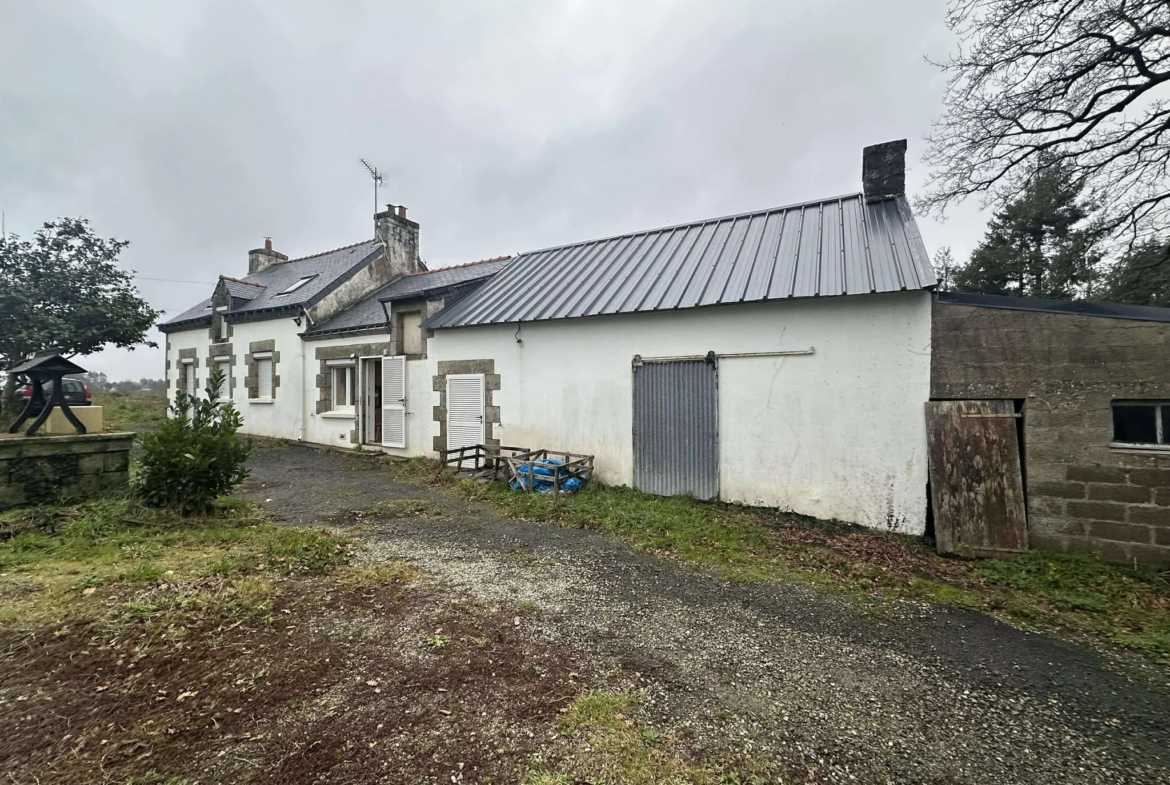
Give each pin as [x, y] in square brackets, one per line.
[1082, 494]
[48, 469]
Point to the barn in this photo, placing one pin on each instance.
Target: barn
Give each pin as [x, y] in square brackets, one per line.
[778, 358]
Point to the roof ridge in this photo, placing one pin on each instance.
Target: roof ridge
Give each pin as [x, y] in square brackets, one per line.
[700, 222]
[458, 266]
[241, 280]
[323, 253]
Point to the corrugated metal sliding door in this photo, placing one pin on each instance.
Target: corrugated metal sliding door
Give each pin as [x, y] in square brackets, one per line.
[394, 401]
[676, 428]
[465, 410]
[976, 487]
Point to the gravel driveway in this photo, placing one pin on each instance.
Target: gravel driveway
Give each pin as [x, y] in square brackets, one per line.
[918, 694]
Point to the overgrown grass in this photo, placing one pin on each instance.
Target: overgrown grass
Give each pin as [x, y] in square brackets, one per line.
[705, 534]
[68, 561]
[1073, 595]
[615, 747]
[122, 412]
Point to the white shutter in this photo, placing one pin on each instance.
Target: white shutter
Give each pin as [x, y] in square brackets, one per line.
[189, 378]
[225, 366]
[394, 401]
[465, 410]
[264, 378]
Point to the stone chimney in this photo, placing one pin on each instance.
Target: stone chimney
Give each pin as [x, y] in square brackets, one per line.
[400, 238]
[883, 171]
[264, 257]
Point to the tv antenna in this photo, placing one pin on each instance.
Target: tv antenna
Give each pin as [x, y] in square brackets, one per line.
[377, 177]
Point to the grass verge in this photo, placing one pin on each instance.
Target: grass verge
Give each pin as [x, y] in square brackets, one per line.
[123, 412]
[1075, 596]
[115, 559]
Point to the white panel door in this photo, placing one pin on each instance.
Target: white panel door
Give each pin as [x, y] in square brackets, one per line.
[394, 401]
[465, 410]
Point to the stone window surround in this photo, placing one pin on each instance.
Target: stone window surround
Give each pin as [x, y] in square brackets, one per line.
[251, 365]
[183, 368]
[325, 377]
[217, 351]
[491, 406]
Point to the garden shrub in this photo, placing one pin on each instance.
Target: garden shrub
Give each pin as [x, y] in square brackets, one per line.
[196, 456]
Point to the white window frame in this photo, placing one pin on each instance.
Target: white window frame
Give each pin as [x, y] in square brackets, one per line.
[223, 324]
[224, 363]
[346, 369]
[263, 360]
[297, 284]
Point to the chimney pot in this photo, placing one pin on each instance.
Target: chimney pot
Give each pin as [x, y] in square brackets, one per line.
[401, 211]
[883, 170]
[267, 243]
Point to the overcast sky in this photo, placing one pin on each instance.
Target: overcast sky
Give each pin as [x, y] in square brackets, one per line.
[195, 129]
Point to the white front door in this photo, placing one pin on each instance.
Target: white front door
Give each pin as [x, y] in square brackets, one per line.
[394, 401]
[465, 410]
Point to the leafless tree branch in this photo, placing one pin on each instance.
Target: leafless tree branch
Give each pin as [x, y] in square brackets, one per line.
[1080, 84]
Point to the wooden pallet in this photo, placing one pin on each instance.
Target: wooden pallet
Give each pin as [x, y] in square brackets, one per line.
[481, 459]
[521, 468]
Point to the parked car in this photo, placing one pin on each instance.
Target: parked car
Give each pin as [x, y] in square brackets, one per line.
[76, 393]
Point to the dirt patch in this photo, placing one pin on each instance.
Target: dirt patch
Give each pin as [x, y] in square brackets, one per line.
[381, 683]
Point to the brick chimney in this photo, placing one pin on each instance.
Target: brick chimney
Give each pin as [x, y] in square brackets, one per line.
[264, 257]
[400, 237]
[883, 171]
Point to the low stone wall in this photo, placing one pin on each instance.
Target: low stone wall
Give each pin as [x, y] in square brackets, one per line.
[48, 469]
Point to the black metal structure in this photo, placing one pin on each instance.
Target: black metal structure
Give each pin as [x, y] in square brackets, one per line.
[46, 368]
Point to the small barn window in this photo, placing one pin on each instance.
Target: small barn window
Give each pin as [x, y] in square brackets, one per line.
[1141, 422]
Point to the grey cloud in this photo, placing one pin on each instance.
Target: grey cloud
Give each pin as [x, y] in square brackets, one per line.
[196, 129]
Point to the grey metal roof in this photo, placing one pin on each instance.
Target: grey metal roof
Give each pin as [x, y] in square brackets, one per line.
[832, 247]
[328, 269]
[369, 312]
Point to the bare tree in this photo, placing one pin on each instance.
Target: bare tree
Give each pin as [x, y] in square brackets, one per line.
[1075, 84]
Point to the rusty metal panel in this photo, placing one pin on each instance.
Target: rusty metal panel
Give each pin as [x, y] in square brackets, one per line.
[676, 429]
[976, 487]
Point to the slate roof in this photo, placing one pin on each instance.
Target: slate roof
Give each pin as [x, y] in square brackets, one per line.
[369, 313]
[242, 290]
[328, 270]
[823, 248]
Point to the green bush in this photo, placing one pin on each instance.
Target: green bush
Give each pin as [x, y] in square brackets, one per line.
[196, 456]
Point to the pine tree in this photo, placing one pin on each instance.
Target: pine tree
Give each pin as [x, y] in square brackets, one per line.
[1141, 277]
[1038, 245]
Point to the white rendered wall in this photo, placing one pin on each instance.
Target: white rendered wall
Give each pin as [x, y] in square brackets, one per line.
[838, 435]
[328, 428]
[284, 417]
[187, 339]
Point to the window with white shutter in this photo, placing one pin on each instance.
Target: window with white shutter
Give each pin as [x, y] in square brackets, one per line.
[189, 382]
[224, 366]
[264, 378]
